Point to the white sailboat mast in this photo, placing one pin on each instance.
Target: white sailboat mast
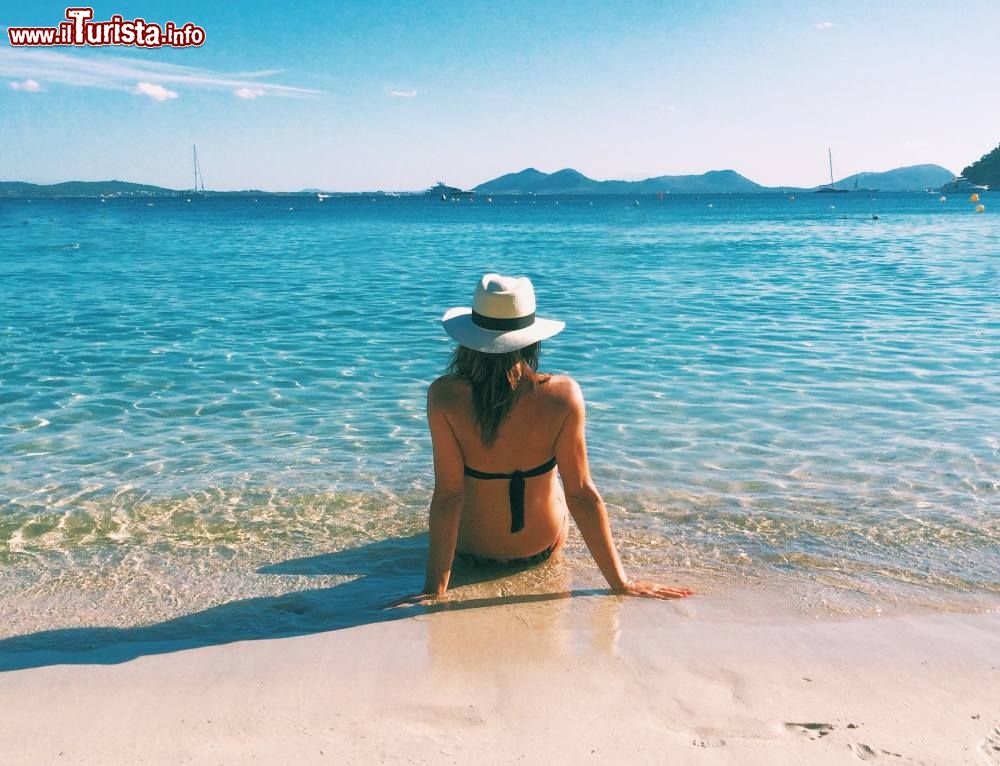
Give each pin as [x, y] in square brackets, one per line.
[197, 170]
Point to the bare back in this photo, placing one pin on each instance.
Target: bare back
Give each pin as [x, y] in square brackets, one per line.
[526, 438]
[474, 515]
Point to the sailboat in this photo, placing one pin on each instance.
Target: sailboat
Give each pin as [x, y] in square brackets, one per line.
[199, 179]
[830, 189]
[862, 189]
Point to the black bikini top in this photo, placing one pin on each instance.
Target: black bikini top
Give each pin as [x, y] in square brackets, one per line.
[516, 488]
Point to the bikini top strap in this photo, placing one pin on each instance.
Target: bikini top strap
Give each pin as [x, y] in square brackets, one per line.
[539, 470]
[516, 489]
[530, 473]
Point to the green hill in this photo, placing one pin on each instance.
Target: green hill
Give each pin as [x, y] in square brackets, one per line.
[569, 181]
[83, 189]
[985, 170]
[912, 178]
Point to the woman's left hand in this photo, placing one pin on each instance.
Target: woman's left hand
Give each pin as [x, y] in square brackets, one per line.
[653, 590]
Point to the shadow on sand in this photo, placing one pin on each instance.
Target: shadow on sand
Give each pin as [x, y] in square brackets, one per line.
[384, 571]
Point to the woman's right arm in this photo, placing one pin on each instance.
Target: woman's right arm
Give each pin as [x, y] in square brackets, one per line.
[587, 506]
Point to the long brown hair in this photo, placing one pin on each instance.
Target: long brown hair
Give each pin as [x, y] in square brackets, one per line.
[498, 380]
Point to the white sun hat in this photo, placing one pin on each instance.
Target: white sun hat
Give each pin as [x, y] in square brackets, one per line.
[502, 318]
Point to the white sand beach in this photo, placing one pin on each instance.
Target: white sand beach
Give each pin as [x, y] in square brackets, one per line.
[588, 679]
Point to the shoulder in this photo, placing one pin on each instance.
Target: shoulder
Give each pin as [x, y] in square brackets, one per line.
[565, 390]
[447, 391]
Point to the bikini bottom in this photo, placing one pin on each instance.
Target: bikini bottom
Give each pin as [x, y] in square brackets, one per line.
[524, 561]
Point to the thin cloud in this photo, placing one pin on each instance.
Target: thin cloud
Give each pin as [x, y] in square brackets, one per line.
[248, 93]
[823, 24]
[154, 91]
[30, 86]
[401, 93]
[121, 73]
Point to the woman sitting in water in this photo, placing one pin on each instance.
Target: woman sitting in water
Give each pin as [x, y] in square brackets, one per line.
[499, 430]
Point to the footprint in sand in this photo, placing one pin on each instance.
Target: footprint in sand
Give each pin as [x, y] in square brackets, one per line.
[708, 742]
[866, 753]
[990, 747]
[863, 752]
[811, 730]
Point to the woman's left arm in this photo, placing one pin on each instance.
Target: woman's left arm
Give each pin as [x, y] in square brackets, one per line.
[448, 499]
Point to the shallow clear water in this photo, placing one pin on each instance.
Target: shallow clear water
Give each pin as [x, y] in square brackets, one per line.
[779, 391]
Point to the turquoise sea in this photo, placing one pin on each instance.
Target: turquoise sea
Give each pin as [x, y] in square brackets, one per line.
[212, 401]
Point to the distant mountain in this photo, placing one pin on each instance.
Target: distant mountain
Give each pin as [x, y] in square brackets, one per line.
[569, 181]
[82, 189]
[712, 181]
[912, 178]
[985, 170]
[532, 181]
[526, 182]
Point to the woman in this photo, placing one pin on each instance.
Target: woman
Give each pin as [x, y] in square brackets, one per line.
[499, 429]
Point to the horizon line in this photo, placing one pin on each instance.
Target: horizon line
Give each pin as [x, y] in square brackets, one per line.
[315, 189]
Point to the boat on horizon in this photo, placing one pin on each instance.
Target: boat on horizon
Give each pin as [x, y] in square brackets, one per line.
[862, 189]
[962, 184]
[199, 179]
[830, 188]
[448, 192]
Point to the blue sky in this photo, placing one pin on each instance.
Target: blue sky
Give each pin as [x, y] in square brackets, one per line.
[367, 95]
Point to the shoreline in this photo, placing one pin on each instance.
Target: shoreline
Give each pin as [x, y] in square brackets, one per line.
[593, 677]
[203, 597]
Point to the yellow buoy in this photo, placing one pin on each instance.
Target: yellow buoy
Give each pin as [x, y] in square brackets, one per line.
[980, 208]
[974, 197]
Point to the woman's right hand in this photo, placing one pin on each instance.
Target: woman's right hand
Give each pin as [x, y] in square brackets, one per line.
[652, 590]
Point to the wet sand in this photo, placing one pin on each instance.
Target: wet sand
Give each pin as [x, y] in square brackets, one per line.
[587, 679]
